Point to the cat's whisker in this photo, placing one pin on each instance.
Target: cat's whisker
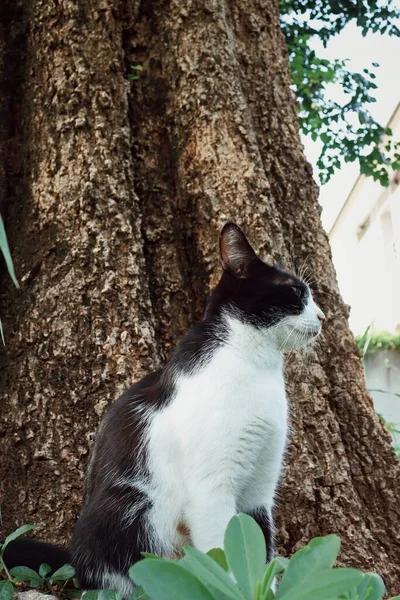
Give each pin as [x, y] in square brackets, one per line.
[303, 266]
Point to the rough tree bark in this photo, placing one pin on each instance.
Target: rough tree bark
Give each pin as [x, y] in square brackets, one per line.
[113, 193]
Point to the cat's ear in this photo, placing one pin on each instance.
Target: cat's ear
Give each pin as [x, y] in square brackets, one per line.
[235, 250]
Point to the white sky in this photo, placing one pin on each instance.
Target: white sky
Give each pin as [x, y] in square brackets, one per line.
[362, 52]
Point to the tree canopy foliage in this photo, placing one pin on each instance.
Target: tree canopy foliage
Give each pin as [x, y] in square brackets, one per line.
[347, 130]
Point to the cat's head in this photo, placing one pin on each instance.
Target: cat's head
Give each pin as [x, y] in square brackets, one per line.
[264, 296]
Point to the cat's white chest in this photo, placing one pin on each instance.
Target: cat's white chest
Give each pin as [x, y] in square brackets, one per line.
[225, 429]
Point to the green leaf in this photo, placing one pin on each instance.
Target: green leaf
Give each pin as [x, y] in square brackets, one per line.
[276, 566]
[319, 554]
[139, 594]
[213, 577]
[24, 574]
[163, 580]
[109, 595]
[6, 253]
[325, 584]
[150, 555]
[6, 590]
[218, 555]
[91, 595]
[371, 587]
[63, 573]
[245, 552]
[102, 595]
[17, 533]
[44, 569]
[257, 592]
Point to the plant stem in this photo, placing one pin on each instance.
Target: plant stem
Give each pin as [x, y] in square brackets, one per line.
[3, 564]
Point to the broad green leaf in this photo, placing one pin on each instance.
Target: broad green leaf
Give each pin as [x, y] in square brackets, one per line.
[6, 590]
[351, 596]
[395, 598]
[218, 555]
[23, 574]
[245, 552]
[6, 253]
[36, 582]
[213, 577]
[276, 566]
[371, 587]
[44, 569]
[319, 554]
[325, 584]
[63, 573]
[163, 580]
[17, 533]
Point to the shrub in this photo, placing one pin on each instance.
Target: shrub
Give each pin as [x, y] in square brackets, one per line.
[239, 572]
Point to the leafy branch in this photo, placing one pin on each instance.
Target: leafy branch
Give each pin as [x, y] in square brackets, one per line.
[347, 130]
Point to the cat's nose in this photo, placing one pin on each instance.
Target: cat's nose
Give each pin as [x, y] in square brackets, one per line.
[321, 316]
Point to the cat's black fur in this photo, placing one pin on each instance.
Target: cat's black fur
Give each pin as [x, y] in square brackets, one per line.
[27, 552]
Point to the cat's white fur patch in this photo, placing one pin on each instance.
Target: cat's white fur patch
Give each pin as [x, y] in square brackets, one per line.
[116, 581]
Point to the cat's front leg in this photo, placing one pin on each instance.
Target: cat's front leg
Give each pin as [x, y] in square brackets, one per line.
[208, 515]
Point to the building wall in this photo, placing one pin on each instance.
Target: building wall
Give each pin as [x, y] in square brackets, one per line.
[365, 241]
[382, 372]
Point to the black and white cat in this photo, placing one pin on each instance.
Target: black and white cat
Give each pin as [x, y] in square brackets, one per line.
[203, 438]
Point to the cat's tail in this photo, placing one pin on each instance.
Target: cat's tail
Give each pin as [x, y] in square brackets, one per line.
[25, 552]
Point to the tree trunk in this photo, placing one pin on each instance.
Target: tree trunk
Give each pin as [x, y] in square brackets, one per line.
[114, 192]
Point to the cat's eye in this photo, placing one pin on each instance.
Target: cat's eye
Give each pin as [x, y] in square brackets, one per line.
[298, 291]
